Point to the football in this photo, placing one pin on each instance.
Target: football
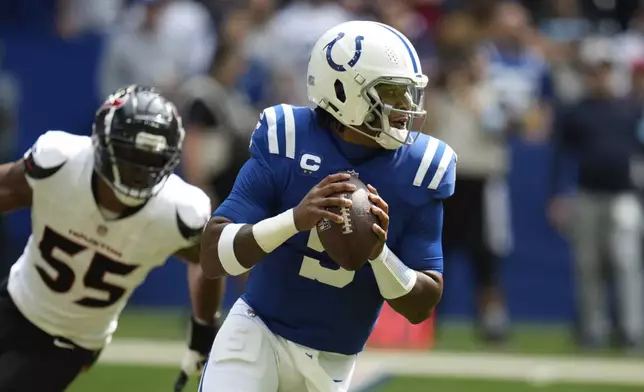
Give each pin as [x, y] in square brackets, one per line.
[350, 243]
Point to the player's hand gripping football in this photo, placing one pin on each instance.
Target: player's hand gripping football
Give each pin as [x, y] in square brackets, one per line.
[381, 210]
[313, 206]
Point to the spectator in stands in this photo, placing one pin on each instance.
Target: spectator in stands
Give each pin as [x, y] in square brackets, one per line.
[403, 17]
[603, 219]
[261, 13]
[522, 89]
[630, 49]
[159, 43]
[360, 9]
[563, 21]
[458, 29]
[80, 16]
[637, 94]
[518, 70]
[219, 120]
[290, 36]
[245, 27]
[565, 27]
[637, 80]
[464, 110]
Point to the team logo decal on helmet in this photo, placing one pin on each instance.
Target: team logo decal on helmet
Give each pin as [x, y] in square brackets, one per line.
[367, 75]
[352, 62]
[116, 100]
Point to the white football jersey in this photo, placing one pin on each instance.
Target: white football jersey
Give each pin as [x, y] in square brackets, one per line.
[78, 270]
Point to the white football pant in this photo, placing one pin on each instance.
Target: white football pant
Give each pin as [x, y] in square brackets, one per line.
[247, 357]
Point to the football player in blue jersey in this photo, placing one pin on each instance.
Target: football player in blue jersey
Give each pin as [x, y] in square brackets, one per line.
[302, 320]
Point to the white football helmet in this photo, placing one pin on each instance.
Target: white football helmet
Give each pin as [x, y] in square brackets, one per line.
[351, 69]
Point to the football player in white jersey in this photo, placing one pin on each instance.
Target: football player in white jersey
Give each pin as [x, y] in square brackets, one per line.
[105, 211]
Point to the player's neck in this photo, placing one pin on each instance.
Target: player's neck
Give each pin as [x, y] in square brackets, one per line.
[106, 198]
[350, 136]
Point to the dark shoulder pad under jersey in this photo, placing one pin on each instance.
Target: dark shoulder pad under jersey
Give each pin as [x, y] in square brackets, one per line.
[192, 208]
[50, 153]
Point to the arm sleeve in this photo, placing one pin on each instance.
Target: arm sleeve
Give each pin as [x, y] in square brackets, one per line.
[421, 247]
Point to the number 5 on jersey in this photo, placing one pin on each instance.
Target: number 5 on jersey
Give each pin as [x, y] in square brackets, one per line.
[312, 269]
[94, 278]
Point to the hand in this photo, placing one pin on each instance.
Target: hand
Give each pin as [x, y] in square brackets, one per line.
[201, 338]
[313, 206]
[559, 211]
[381, 210]
[534, 127]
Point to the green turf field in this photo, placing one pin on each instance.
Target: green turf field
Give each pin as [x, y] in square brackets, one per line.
[408, 384]
[166, 326]
[453, 336]
[110, 378]
[128, 378]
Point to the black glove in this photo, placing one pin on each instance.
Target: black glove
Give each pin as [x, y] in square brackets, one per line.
[199, 343]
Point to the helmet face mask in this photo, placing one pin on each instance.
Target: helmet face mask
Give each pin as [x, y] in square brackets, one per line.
[367, 75]
[396, 109]
[137, 141]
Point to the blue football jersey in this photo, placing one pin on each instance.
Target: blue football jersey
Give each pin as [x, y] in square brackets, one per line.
[297, 290]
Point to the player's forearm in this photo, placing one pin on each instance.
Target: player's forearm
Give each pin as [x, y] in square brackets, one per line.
[219, 249]
[418, 304]
[232, 249]
[411, 293]
[205, 294]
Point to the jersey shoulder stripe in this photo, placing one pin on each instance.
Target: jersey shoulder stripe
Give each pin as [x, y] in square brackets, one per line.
[426, 161]
[271, 123]
[280, 130]
[436, 161]
[446, 159]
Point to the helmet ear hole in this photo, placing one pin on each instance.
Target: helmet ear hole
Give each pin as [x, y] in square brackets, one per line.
[339, 91]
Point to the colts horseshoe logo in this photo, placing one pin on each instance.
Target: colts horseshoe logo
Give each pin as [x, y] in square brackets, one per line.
[352, 62]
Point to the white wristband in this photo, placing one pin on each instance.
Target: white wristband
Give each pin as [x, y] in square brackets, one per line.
[393, 277]
[269, 234]
[226, 250]
[273, 232]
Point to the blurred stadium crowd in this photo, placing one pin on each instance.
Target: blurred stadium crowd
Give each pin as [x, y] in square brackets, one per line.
[569, 73]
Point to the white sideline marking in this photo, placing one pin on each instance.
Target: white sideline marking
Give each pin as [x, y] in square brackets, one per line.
[374, 364]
